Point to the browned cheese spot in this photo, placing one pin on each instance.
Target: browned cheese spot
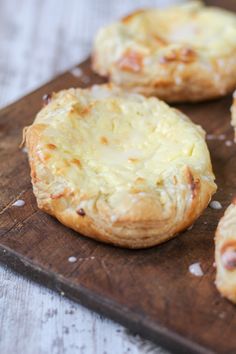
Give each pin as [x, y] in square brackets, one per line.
[163, 82]
[57, 196]
[77, 162]
[51, 146]
[46, 157]
[80, 110]
[133, 160]
[104, 140]
[159, 40]
[136, 189]
[131, 61]
[187, 55]
[159, 183]
[139, 180]
[85, 110]
[184, 55]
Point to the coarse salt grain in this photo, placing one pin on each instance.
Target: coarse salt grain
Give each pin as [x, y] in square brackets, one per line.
[210, 137]
[25, 150]
[216, 137]
[215, 205]
[196, 269]
[72, 259]
[222, 137]
[86, 258]
[77, 72]
[222, 315]
[228, 143]
[19, 203]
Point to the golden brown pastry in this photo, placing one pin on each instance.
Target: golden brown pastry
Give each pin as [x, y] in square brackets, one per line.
[119, 167]
[233, 110]
[225, 253]
[182, 53]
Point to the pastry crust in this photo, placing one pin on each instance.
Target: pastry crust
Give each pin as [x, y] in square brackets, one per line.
[233, 111]
[225, 253]
[119, 167]
[183, 53]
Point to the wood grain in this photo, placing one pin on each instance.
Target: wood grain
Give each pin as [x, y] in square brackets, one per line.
[149, 291]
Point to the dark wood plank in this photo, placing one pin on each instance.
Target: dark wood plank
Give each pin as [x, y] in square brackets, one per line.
[227, 4]
[150, 291]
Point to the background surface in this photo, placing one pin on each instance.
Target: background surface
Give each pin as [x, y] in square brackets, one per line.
[38, 40]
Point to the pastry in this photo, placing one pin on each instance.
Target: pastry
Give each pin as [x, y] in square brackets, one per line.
[225, 253]
[181, 53]
[119, 167]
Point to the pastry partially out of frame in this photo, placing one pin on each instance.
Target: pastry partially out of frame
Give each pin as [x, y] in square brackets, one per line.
[181, 53]
[225, 253]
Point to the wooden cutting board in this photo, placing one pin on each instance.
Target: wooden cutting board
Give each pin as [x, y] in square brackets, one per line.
[150, 291]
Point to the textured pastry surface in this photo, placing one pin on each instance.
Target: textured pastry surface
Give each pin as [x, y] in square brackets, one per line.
[119, 167]
[225, 253]
[183, 53]
[233, 110]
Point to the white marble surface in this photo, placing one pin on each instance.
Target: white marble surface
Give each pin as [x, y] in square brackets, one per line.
[39, 39]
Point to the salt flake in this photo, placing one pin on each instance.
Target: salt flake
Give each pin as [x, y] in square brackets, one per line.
[19, 203]
[196, 269]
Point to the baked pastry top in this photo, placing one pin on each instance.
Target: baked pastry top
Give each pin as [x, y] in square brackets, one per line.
[119, 167]
[182, 53]
[225, 253]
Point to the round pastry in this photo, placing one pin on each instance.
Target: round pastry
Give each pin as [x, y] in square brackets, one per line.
[119, 167]
[225, 253]
[182, 53]
[233, 119]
